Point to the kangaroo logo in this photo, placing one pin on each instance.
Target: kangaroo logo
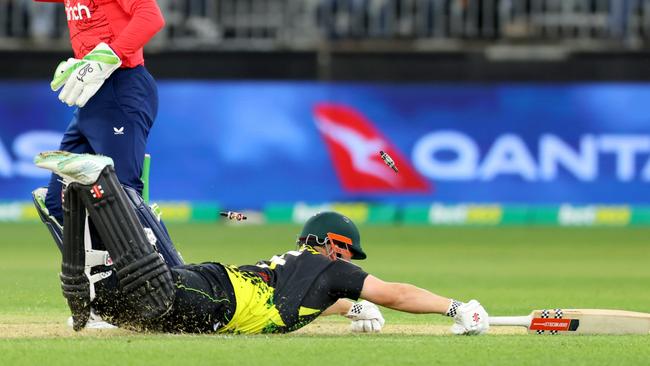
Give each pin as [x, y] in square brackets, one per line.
[354, 145]
[87, 69]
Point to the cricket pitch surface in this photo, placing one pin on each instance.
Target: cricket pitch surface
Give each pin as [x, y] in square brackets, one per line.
[60, 330]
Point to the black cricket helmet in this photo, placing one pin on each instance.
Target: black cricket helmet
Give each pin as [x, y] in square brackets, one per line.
[335, 232]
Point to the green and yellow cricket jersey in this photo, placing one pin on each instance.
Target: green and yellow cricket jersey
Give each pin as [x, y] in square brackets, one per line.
[275, 296]
[288, 291]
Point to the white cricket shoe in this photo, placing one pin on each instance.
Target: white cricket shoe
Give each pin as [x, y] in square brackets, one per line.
[50, 159]
[38, 196]
[95, 322]
[80, 168]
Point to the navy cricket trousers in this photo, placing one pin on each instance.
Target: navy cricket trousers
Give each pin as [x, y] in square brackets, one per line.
[116, 123]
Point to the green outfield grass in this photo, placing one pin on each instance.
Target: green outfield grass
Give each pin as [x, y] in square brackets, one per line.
[510, 270]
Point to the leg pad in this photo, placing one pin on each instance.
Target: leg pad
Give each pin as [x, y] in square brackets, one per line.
[149, 220]
[76, 290]
[143, 276]
[74, 283]
[145, 281]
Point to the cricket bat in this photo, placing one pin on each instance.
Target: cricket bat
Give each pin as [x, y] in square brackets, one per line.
[578, 321]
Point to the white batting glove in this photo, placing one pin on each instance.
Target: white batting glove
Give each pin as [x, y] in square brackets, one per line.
[365, 317]
[469, 318]
[86, 76]
[365, 326]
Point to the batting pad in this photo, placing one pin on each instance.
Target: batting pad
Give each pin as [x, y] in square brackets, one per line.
[149, 220]
[74, 282]
[143, 276]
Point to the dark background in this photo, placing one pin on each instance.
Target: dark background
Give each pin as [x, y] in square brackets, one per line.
[357, 65]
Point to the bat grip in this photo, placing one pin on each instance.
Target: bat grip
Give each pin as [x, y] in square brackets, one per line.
[521, 321]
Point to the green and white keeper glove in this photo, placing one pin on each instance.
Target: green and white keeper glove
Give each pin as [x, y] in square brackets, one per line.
[365, 317]
[469, 318]
[81, 79]
[63, 72]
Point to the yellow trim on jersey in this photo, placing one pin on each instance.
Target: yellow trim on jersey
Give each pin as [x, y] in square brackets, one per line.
[255, 311]
[309, 248]
[307, 311]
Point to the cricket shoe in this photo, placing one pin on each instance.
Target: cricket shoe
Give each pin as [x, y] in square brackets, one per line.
[53, 225]
[50, 159]
[80, 168]
[38, 196]
[94, 322]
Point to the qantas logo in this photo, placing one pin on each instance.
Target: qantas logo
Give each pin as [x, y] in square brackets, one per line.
[77, 12]
[354, 145]
[362, 150]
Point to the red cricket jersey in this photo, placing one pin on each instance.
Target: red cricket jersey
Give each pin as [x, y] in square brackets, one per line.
[125, 25]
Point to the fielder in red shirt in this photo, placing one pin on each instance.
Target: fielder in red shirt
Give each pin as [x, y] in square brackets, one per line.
[114, 96]
[125, 26]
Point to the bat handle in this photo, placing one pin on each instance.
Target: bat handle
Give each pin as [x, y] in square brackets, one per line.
[520, 321]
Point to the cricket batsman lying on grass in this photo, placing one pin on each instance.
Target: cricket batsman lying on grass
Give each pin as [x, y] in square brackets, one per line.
[276, 296]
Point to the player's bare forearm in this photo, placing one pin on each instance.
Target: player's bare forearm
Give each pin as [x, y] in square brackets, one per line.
[413, 299]
[340, 307]
[403, 297]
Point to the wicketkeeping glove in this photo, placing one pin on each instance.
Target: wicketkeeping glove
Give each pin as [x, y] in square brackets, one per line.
[83, 78]
[63, 72]
[365, 317]
[470, 318]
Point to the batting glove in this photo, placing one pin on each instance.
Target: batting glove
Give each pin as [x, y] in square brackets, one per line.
[83, 78]
[470, 318]
[365, 317]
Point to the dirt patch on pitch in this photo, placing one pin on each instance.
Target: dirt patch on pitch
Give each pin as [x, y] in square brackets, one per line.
[54, 330]
[325, 328]
[58, 330]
